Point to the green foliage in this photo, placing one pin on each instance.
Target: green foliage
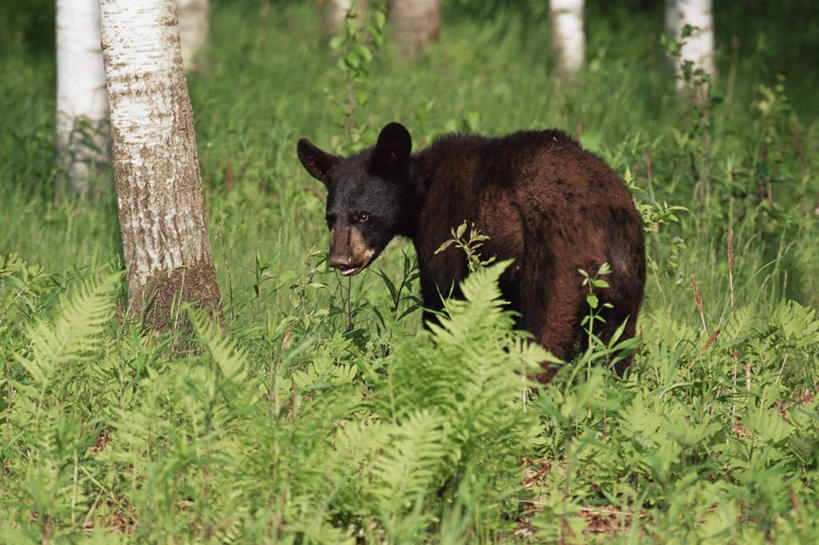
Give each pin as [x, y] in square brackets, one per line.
[357, 47]
[324, 412]
[384, 448]
[470, 246]
[595, 308]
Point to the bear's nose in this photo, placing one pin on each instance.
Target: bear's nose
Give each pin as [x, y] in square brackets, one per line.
[340, 255]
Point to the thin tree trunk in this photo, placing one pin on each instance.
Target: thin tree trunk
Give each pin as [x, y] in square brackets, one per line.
[415, 24]
[331, 14]
[697, 48]
[194, 31]
[156, 172]
[568, 36]
[82, 102]
[672, 18]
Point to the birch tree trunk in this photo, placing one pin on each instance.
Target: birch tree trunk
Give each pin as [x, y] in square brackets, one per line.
[672, 19]
[415, 24]
[194, 31]
[82, 102]
[331, 14]
[697, 51]
[568, 36]
[156, 170]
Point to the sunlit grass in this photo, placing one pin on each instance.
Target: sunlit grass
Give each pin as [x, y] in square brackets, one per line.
[277, 432]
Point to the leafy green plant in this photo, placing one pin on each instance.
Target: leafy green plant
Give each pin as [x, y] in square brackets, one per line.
[289, 426]
[357, 47]
[403, 302]
[450, 410]
[470, 246]
[595, 308]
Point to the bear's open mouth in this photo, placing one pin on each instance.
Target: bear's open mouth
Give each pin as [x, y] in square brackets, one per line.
[348, 270]
[355, 263]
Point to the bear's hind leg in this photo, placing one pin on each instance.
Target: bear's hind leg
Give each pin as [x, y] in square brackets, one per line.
[555, 328]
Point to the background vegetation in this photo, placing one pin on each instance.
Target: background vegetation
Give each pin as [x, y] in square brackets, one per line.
[325, 414]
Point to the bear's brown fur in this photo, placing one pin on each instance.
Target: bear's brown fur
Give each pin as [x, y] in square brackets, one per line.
[540, 198]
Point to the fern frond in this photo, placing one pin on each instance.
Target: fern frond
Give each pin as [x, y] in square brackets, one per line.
[231, 361]
[76, 331]
[481, 307]
[409, 464]
[451, 402]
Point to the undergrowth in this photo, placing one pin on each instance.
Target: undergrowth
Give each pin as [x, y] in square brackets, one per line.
[324, 412]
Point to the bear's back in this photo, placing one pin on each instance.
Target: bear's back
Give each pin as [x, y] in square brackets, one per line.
[540, 171]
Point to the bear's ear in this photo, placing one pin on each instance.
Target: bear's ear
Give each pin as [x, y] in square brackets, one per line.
[393, 148]
[316, 161]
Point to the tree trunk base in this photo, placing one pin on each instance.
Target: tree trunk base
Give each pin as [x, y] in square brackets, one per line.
[159, 303]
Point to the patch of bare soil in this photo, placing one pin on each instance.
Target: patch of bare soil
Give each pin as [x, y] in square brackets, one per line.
[599, 519]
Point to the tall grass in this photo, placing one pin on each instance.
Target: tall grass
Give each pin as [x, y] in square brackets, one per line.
[325, 413]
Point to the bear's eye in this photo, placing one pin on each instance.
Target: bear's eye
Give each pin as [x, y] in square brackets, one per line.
[361, 217]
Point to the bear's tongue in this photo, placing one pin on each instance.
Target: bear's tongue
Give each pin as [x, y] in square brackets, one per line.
[348, 270]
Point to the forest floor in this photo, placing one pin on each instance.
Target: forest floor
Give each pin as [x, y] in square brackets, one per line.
[325, 412]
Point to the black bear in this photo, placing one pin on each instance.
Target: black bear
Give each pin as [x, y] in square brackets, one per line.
[541, 199]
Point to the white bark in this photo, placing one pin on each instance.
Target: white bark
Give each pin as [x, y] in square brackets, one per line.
[568, 36]
[333, 12]
[156, 170]
[698, 48]
[672, 18]
[194, 30]
[415, 24]
[82, 102]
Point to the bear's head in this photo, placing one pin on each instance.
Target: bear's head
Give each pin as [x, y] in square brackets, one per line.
[367, 195]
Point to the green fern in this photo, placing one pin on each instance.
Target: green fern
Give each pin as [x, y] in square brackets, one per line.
[447, 413]
[408, 471]
[59, 348]
[233, 378]
[50, 402]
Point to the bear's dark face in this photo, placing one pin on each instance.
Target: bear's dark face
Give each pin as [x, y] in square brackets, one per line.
[366, 196]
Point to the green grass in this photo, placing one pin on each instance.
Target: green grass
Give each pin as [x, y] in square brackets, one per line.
[294, 426]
